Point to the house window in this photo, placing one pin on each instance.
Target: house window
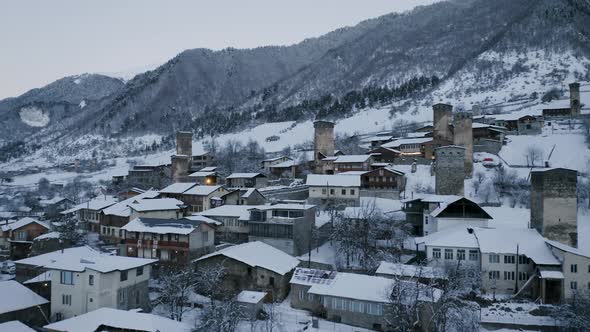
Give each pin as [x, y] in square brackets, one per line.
[66, 277]
[508, 275]
[352, 192]
[509, 259]
[494, 275]
[176, 237]
[271, 281]
[301, 294]
[436, 253]
[122, 296]
[139, 271]
[522, 276]
[574, 268]
[473, 255]
[66, 299]
[343, 191]
[574, 285]
[448, 253]
[123, 275]
[91, 280]
[205, 237]
[426, 220]
[137, 297]
[324, 191]
[332, 191]
[494, 258]
[249, 271]
[461, 254]
[21, 235]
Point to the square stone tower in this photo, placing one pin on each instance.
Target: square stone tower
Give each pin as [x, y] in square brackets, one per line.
[184, 143]
[181, 162]
[575, 98]
[323, 139]
[554, 204]
[463, 136]
[449, 167]
[442, 117]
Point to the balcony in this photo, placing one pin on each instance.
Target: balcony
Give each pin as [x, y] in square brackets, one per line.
[157, 244]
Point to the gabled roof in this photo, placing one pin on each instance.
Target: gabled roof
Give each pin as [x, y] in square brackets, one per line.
[18, 297]
[353, 158]
[122, 208]
[412, 271]
[405, 141]
[283, 206]
[235, 211]
[208, 169]
[202, 190]
[258, 254]
[451, 237]
[277, 158]
[284, 164]
[201, 174]
[248, 192]
[182, 226]
[45, 276]
[156, 204]
[26, 221]
[177, 188]
[245, 175]
[316, 180]
[530, 243]
[120, 319]
[567, 248]
[15, 326]
[444, 206]
[95, 204]
[81, 258]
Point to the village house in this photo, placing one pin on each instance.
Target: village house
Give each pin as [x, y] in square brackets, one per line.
[487, 138]
[128, 193]
[88, 213]
[246, 180]
[170, 240]
[378, 140]
[286, 169]
[574, 276]
[424, 274]
[334, 189]
[83, 280]
[21, 235]
[202, 160]
[196, 197]
[354, 299]
[150, 176]
[116, 320]
[287, 227]
[565, 107]
[22, 304]
[234, 222]
[386, 180]
[528, 122]
[432, 213]
[267, 163]
[249, 196]
[52, 207]
[253, 266]
[251, 302]
[348, 163]
[205, 176]
[385, 155]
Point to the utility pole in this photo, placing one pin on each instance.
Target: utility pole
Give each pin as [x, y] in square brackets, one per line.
[516, 276]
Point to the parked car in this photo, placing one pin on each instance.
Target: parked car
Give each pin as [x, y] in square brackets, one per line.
[490, 162]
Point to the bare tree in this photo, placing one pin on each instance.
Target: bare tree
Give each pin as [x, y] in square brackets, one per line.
[69, 232]
[574, 314]
[176, 282]
[533, 154]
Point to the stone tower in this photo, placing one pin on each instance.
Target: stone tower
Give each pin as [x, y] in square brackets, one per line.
[442, 115]
[463, 136]
[575, 98]
[181, 162]
[184, 143]
[449, 169]
[323, 139]
[554, 204]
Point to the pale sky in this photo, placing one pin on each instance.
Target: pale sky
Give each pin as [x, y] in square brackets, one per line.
[44, 40]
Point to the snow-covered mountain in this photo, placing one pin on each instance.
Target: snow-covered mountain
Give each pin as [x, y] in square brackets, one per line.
[503, 54]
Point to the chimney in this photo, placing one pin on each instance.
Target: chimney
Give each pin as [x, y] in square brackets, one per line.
[575, 98]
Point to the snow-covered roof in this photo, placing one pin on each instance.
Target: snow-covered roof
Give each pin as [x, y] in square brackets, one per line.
[204, 219]
[156, 204]
[316, 180]
[557, 104]
[357, 173]
[54, 200]
[476, 125]
[433, 198]
[202, 174]
[248, 192]
[412, 271]
[18, 297]
[567, 248]
[120, 319]
[47, 236]
[405, 141]
[276, 158]
[444, 205]
[95, 204]
[237, 211]
[26, 221]
[15, 326]
[417, 134]
[530, 243]
[516, 115]
[122, 208]
[178, 188]
[353, 158]
[244, 175]
[82, 258]
[250, 296]
[208, 169]
[258, 254]
[45, 276]
[451, 237]
[550, 273]
[202, 190]
[182, 226]
[284, 164]
[283, 206]
[363, 287]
